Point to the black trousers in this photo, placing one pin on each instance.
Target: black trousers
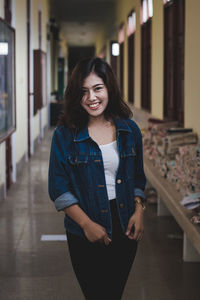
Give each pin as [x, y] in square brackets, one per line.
[102, 271]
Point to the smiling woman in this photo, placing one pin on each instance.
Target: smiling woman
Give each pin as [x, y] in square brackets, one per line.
[92, 79]
[96, 177]
[95, 96]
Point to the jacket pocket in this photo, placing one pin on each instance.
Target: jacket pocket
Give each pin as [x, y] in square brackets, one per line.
[80, 170]
[130, 151]
[77, 160]
[128, 161]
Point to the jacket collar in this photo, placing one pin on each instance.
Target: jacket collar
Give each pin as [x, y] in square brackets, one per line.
[121, 125]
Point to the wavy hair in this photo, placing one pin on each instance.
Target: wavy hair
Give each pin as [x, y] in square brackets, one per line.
[74, 116]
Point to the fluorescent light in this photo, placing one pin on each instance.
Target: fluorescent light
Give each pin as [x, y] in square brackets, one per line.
[115, 49]
[3, 48]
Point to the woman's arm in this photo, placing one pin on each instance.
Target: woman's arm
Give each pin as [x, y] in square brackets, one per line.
[61, 195]
[136, 220]
[93, 231]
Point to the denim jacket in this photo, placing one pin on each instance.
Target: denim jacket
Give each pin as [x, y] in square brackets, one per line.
[76, 174]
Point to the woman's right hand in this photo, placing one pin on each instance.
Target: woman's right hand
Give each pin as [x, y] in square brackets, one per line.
[96, 233]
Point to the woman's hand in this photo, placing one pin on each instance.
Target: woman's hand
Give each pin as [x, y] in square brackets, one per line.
[93, 231]
[136, 220]
[96, 233]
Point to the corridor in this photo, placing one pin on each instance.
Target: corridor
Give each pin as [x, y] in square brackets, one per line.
[40, 270]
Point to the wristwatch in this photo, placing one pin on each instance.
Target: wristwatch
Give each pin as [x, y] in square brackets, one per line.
[139, 201]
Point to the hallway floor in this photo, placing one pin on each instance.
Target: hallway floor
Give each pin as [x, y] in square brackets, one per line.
[40, 270]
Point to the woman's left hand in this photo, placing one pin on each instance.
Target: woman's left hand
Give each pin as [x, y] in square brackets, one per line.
[136, 220]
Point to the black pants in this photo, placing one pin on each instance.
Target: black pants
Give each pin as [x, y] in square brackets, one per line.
[102, 271]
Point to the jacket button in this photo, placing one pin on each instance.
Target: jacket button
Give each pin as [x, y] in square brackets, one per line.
[121, 205]
[119, 181]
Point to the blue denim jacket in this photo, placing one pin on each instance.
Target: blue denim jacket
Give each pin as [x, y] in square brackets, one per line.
[76, 174]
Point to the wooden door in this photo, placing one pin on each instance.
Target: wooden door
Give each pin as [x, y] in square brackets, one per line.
[174, 61]
[113, 59]
[146, 66]
[131, 68]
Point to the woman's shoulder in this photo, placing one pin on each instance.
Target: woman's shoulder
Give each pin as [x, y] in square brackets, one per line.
[133, 125]
[63, 133]
[62, 129]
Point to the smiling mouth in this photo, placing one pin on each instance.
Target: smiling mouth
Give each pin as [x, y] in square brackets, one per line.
[94, 105]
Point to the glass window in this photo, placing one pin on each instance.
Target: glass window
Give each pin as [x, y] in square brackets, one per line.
[131, 25]
[121, 34]
[146, 10]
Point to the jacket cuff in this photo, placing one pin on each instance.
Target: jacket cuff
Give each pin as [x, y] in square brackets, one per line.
[65, 200]
[138, 192]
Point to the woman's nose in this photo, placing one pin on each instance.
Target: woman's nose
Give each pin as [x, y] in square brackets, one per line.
[92, 95]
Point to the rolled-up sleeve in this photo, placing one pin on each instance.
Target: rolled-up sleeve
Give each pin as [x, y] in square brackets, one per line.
[140, 179]
[58, 177]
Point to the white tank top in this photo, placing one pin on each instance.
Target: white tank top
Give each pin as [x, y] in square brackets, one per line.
[111, 162]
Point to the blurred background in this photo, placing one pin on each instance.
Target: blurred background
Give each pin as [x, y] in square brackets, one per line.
[153, 47]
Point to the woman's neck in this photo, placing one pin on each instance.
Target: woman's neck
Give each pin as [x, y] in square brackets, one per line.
[98, 122]
[102, 131]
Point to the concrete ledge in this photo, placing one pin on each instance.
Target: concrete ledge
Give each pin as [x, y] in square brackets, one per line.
[171, 198]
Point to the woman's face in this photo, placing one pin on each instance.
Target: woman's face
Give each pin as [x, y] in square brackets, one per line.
[95, 96]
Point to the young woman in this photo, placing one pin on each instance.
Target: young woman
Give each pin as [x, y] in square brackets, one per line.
[96, 177]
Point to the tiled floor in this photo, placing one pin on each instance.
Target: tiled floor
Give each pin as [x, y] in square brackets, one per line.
[32, 269]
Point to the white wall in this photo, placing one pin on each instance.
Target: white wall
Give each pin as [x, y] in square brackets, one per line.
[192, 65]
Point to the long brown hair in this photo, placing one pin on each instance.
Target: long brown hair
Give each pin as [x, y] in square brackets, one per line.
[74, 116]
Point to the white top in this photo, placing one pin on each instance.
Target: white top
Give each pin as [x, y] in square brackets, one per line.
[111, 162]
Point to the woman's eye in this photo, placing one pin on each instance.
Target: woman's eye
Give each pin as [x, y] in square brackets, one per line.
[98, 88]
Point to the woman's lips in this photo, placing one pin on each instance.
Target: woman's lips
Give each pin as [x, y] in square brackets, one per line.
[94, 106]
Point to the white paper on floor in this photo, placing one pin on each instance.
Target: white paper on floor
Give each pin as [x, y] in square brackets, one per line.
[53, 237]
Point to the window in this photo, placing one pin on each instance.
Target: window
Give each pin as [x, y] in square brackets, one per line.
[167, 1]
[131, 28]
[131, 24]
[121, 34]
[146, 10]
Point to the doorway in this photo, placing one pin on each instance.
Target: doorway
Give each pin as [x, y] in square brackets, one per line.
[174, 32]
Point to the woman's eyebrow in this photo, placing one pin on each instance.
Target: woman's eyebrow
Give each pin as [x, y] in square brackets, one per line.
[98, 84]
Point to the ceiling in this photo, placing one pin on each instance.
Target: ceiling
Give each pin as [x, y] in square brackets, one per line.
[81, 20]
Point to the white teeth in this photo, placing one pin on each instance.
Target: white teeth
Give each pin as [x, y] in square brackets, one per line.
[94, 105]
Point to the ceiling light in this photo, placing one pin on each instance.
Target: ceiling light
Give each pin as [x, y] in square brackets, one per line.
[115, 49]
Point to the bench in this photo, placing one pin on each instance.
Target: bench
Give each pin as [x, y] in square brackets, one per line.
[169, 203]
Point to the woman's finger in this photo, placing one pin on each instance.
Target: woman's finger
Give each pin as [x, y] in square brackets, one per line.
[107, 240]
[129, 227]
